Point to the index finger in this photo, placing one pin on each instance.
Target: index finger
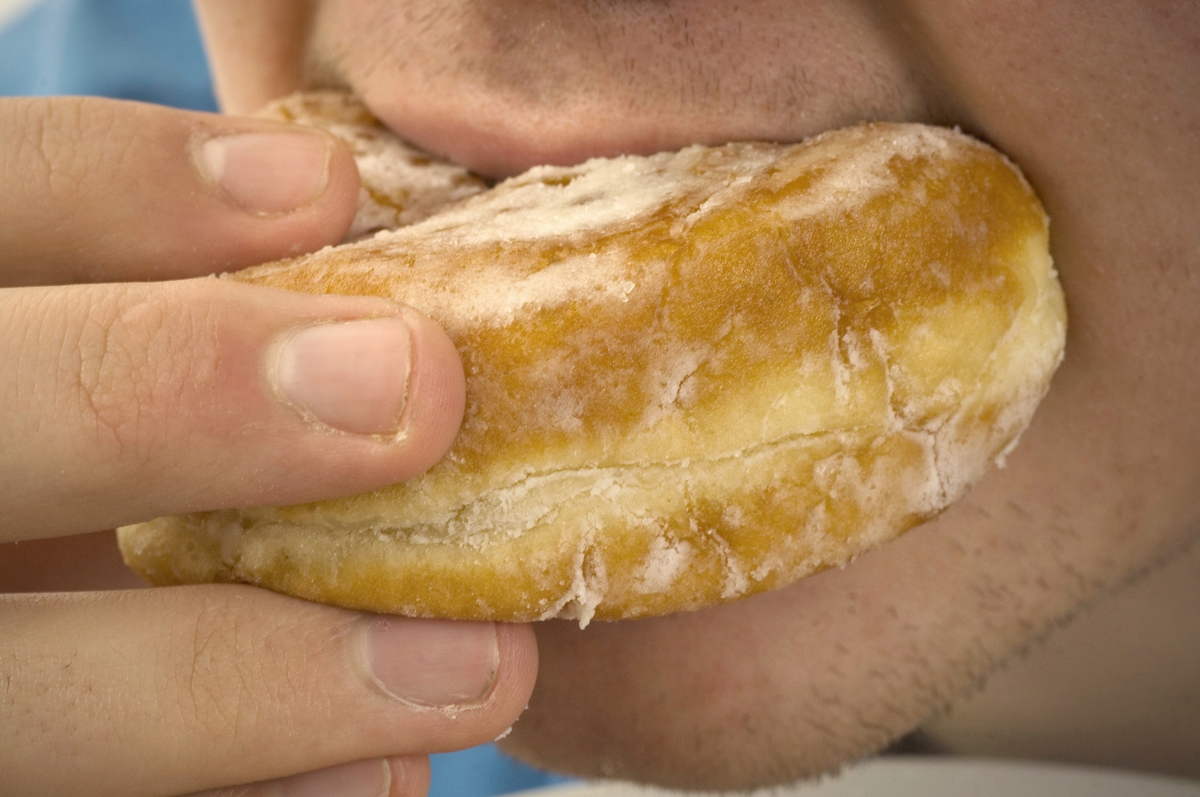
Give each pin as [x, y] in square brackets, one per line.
[108, 190]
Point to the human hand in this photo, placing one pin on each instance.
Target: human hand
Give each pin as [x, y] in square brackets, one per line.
[122, 400]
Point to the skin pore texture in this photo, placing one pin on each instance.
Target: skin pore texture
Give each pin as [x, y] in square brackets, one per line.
[1098, 104]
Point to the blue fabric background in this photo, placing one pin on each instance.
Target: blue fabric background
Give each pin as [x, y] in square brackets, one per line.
[150, 50]
[132, 49]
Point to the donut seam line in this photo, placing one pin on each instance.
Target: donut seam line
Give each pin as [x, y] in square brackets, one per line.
[533, 480]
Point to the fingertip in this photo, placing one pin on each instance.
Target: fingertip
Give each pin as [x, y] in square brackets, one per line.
[410, 776]
[333, 210]
[436, 394]
[518, 665]
[293, 189]
[397, 382]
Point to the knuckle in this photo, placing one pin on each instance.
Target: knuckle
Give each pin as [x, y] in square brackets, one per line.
[25, 148]
[53, 149]
[136, 357]
[237, 681]
[43, 150]
[218, 682]
[33, 678]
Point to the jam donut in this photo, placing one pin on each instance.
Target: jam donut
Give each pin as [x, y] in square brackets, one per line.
[691, 377]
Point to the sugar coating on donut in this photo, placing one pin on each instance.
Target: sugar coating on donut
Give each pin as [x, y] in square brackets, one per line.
[690, 377]
[401, 184]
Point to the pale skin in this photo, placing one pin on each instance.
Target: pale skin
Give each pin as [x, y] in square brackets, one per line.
[1099, 104]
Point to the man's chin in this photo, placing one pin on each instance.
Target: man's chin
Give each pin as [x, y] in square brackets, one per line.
[703, 700]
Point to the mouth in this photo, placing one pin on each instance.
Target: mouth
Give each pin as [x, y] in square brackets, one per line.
[500, 86]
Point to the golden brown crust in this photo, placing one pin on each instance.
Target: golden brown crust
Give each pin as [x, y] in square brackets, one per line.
[691, 377]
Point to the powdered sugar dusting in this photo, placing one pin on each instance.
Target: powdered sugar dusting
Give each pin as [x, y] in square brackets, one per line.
[400, 184]
[856, 168]
[554, 203]
[664, 562]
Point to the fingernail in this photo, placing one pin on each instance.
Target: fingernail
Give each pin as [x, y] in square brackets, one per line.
[434, 663]
[268, 172]
[359, 779]
[351, 375]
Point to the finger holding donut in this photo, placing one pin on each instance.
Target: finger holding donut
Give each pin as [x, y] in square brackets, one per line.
[100, 190]
[166, 692]
[121, 399]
